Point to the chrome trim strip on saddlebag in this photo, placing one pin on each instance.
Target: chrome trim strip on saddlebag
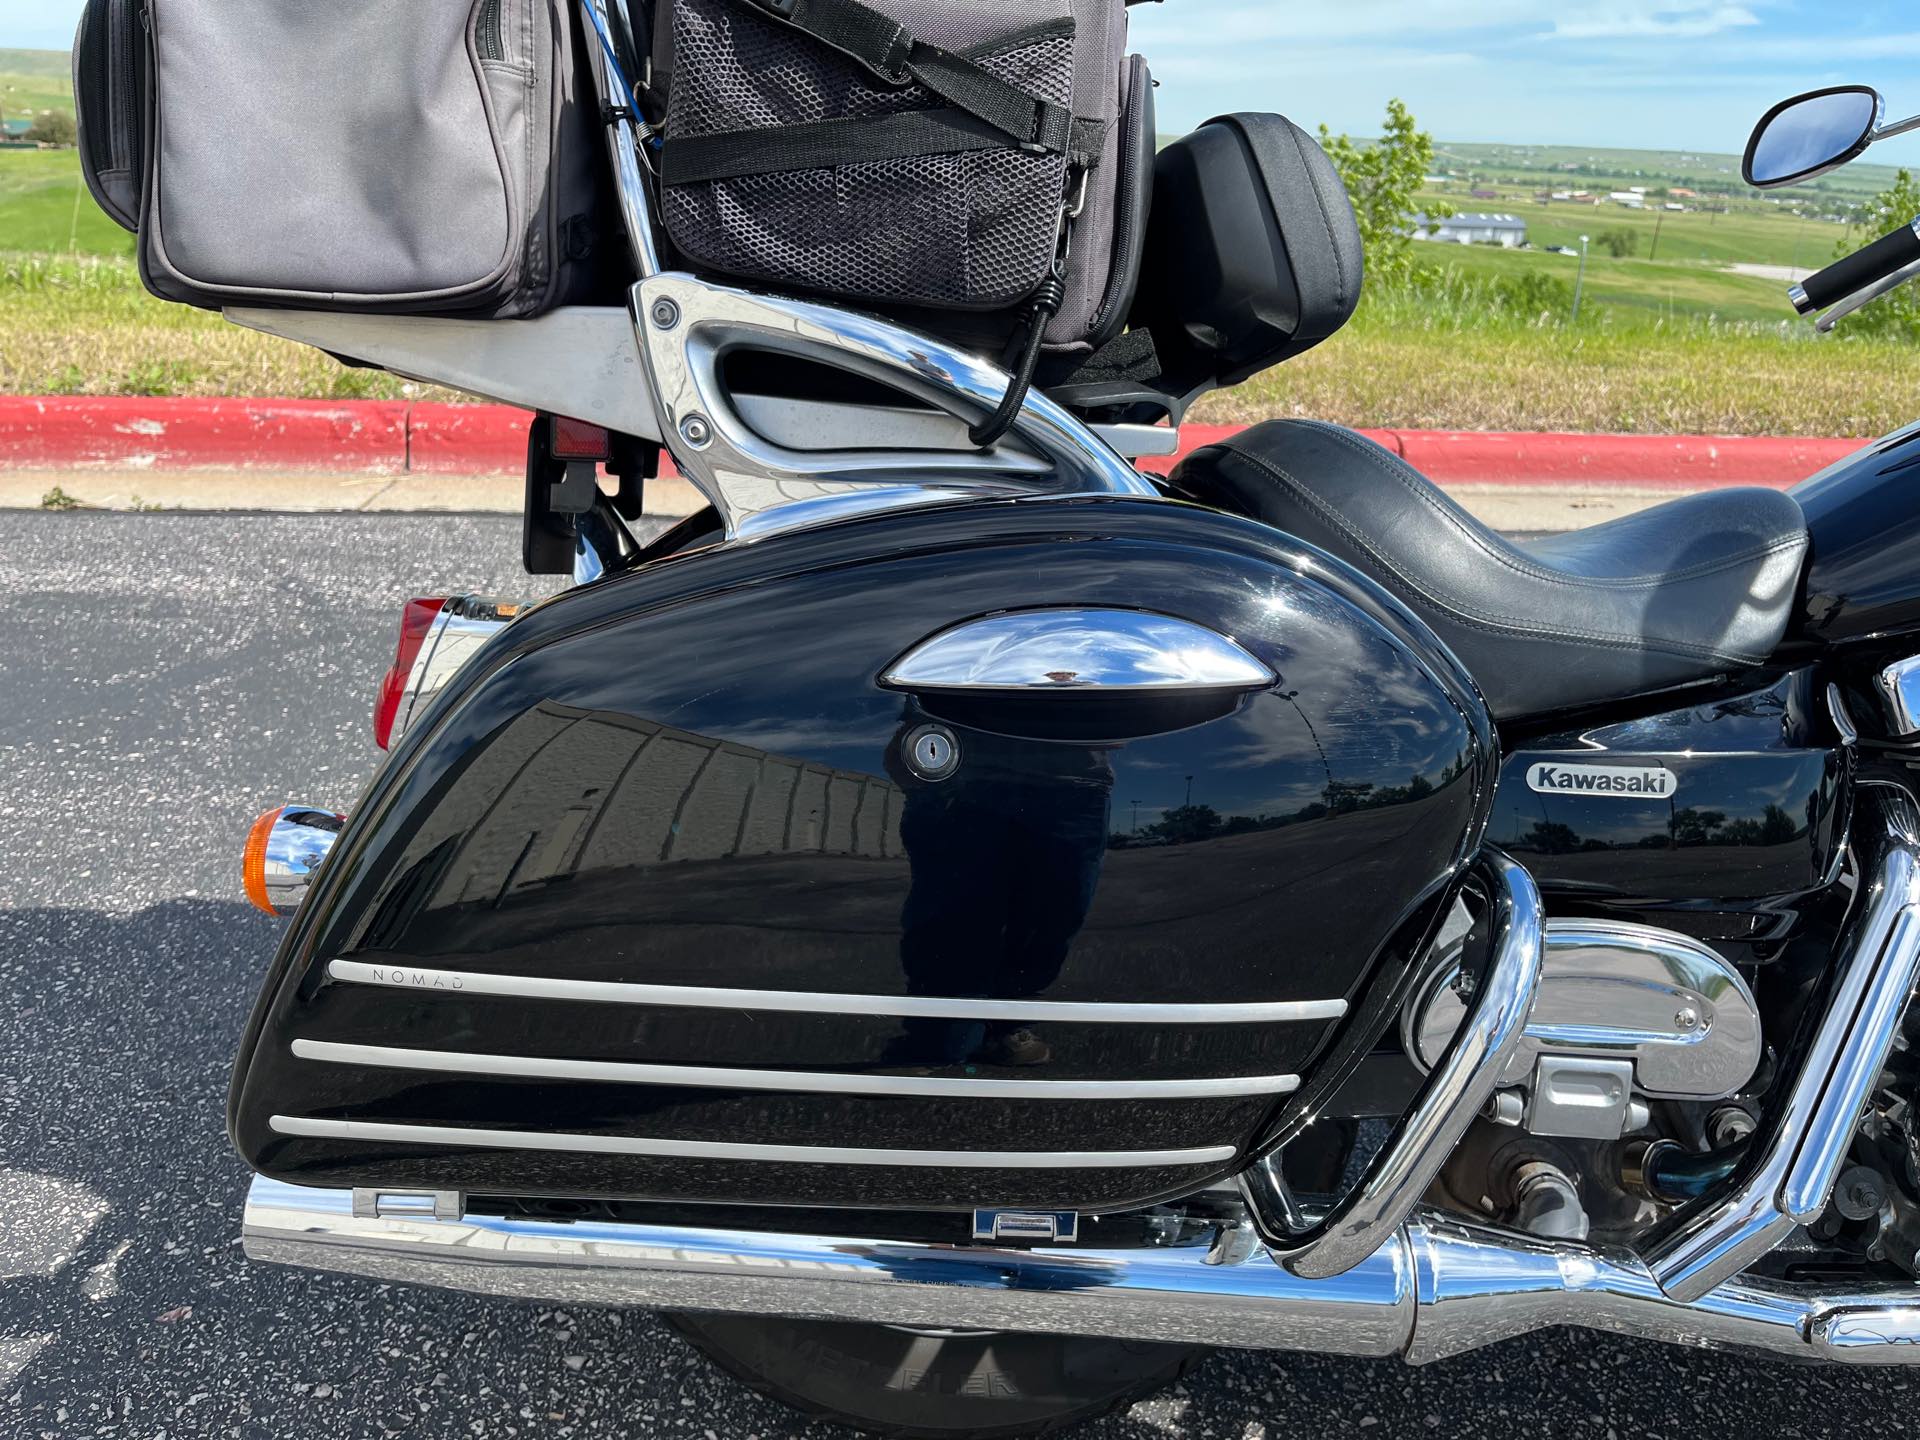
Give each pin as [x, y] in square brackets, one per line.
[713, 1077]
[476, 1139]
[917, 1007]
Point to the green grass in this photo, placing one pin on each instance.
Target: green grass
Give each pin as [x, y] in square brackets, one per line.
[1760, 236]
[1452, 364]
[1653, 289]
[84, 326]
[45, 206]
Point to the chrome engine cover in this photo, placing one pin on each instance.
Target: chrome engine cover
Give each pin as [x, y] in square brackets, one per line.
[1623, 1010]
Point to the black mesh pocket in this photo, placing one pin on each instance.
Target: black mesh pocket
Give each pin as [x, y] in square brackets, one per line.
[971, 223]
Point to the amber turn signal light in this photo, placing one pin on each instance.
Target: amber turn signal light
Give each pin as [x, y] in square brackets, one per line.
[284, 849]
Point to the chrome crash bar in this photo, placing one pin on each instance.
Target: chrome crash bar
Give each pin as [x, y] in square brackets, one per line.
[1790, 1176]
[1461, 1084]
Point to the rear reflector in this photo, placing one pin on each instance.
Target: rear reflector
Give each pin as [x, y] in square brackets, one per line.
[577, 440]
[284, 848]
[416, 623]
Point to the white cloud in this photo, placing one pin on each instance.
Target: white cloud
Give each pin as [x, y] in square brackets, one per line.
[1656, 21]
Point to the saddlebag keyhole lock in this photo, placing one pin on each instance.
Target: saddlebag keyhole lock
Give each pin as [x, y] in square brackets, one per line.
[932, 751]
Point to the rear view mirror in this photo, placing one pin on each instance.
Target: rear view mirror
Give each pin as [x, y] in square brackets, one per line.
[1805, 137]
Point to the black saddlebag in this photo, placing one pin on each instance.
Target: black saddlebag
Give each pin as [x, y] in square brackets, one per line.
[711, 883]
[434, 157]
[911, 155]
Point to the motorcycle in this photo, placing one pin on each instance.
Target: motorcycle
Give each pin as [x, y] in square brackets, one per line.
[766, 929]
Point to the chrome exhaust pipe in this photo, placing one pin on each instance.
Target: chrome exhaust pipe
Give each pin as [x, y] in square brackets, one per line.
[1435, 1290]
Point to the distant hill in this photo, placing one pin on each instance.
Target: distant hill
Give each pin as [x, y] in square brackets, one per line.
[35, 80]
[1594, 167]
[49, 63]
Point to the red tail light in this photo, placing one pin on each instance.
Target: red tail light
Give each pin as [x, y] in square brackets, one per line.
[416, 622]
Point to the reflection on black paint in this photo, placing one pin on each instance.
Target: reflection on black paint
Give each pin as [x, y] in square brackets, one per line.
[1754, 823]
[1006, 856]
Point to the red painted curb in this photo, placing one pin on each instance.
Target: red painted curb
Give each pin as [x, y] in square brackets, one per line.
[144, 433]
[1661, 461]
[467, 439]
[392, 437]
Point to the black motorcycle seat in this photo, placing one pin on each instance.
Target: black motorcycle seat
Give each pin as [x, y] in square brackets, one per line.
[1698, 587]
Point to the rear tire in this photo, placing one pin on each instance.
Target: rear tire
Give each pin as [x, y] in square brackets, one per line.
[918, 1384]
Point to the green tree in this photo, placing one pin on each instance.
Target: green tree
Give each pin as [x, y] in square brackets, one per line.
[1384, 179]
[1896, 315]
[56, 127]
[1620, 242]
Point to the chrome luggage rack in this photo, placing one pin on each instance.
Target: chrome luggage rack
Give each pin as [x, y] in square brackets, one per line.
[766, 463]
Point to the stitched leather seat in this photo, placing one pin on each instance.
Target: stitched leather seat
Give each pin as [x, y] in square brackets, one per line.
[1698, 587]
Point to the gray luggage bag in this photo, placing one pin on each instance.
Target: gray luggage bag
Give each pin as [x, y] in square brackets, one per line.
[432, 157]
[952, 161]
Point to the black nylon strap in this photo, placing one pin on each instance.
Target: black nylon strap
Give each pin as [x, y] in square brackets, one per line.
[687, 160]
[887, 48]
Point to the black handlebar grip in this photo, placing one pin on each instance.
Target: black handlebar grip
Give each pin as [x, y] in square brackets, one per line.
[1887, 256]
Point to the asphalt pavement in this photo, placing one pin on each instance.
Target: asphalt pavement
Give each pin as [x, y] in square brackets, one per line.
[163, 678]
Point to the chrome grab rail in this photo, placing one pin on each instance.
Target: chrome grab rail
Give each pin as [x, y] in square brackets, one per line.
[1791, 1176]
[686, 327]
[624, 139]
[1455, 1092]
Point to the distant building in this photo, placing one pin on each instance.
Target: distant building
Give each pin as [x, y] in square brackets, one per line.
[1681, 194]
[15, 129]
[1633, 200]
[1507, 230]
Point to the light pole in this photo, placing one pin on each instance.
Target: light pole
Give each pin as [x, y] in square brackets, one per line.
[1580, 284]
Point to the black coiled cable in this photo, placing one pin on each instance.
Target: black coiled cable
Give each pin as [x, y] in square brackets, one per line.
[1050, 295]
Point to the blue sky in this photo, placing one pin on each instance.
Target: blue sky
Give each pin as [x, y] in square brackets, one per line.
[1657, 74]
[1664, 74]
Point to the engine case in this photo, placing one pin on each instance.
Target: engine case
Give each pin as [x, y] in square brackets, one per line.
[691, 776]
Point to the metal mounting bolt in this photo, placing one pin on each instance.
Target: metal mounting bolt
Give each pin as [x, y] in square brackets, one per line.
[1687, 1019]
[665, 314]
[696, 431]
[1506, 1107]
